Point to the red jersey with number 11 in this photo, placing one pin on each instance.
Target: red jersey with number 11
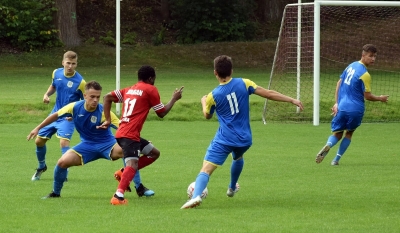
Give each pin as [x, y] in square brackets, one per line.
[137, 101]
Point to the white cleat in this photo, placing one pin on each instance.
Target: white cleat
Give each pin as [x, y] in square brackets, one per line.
[322, 153]
[231, 192]
[192, 203]
[335, 163]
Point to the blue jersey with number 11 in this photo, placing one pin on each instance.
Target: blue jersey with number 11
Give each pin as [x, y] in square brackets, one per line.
[231, 103]
[355, 81]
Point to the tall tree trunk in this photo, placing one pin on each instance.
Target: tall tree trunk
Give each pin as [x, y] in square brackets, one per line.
[164, 10]
[66, 23]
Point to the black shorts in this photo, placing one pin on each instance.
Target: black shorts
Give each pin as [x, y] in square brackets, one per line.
[132, 148]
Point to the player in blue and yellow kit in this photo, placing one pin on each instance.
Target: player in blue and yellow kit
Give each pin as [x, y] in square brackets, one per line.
[352, 88]
[69, 86]
[230, 101]
[95, 143]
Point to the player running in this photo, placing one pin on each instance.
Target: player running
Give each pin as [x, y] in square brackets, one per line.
[230, 101]
[352, 88]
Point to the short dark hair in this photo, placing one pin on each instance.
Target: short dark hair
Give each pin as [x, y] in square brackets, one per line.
[146, 72]
[223, 66]
[370, 48]
[93, 85]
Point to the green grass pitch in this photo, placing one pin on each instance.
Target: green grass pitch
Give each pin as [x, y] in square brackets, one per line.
[282, 189]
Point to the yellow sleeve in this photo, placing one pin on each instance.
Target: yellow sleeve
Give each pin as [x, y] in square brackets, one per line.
[82, 86]
[52, 75]
[67, 109]
[210, 103]
[114, 120]
[249, 83]
[366, 78]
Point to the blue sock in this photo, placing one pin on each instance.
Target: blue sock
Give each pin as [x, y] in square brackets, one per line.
[332, 140]
[342, 148]
[59, 177]
[63, 150]
[201, 184]
[236, 170]
[41, 156]
[136, 179]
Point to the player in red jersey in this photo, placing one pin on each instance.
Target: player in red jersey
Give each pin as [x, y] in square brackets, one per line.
[137, 101]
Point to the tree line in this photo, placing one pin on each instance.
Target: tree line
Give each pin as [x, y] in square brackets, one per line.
[35, 24]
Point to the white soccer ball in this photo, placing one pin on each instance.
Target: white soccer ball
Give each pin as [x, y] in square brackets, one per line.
[190, 191]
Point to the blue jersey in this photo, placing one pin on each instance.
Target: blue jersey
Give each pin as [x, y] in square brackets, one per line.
[86, 122]
[355, 80]
[69, 88]
[230, 101]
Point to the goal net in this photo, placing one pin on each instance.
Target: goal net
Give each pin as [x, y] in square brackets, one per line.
[343, 31]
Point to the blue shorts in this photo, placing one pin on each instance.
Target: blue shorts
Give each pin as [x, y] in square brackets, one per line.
[90, 151]
[62, 127]
[346, 121]
[217, 153]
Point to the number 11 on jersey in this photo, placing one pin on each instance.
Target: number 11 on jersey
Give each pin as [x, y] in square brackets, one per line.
[233, 103]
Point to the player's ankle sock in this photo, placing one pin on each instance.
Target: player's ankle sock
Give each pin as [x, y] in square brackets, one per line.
[126, 178]
[136, 179]
[145, 161]
[201, 184]
[343, 146]
[332, 140]
[337, 157]
[59, 177]
[236, 170]
[41, 156]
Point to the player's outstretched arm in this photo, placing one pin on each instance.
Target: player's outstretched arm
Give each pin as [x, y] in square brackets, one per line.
[50, 119]
[276, 96]
[107, 102]
[369, 96]
[177, 95]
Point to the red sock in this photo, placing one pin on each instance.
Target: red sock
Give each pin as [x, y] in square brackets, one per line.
[126, 178]
[145, 161]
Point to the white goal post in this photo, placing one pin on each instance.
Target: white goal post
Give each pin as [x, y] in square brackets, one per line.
[316, 46]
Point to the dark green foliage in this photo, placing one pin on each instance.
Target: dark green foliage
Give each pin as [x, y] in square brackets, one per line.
[213, 20]
[109, 39]
[28, 25]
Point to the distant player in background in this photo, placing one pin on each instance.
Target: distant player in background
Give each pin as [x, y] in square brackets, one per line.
[352, 88]
[69, 86]
[138, 100]
[230, 101]
[96, 143]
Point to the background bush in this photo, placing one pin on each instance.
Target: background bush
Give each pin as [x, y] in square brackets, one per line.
[28, 25]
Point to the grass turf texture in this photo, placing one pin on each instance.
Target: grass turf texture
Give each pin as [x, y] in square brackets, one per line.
[282, 188]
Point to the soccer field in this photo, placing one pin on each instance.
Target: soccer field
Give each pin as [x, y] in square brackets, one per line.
[282, 189]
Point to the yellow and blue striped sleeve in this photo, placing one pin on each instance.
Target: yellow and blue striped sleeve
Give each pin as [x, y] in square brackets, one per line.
[366, 78]
[67, 109]
[114, 120]
[210, 103]
[250, 85]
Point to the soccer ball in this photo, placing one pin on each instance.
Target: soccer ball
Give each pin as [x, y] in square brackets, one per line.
[190, 191]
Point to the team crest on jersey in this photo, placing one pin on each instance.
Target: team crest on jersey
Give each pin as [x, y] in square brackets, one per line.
[70, 84]
[93, 119]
